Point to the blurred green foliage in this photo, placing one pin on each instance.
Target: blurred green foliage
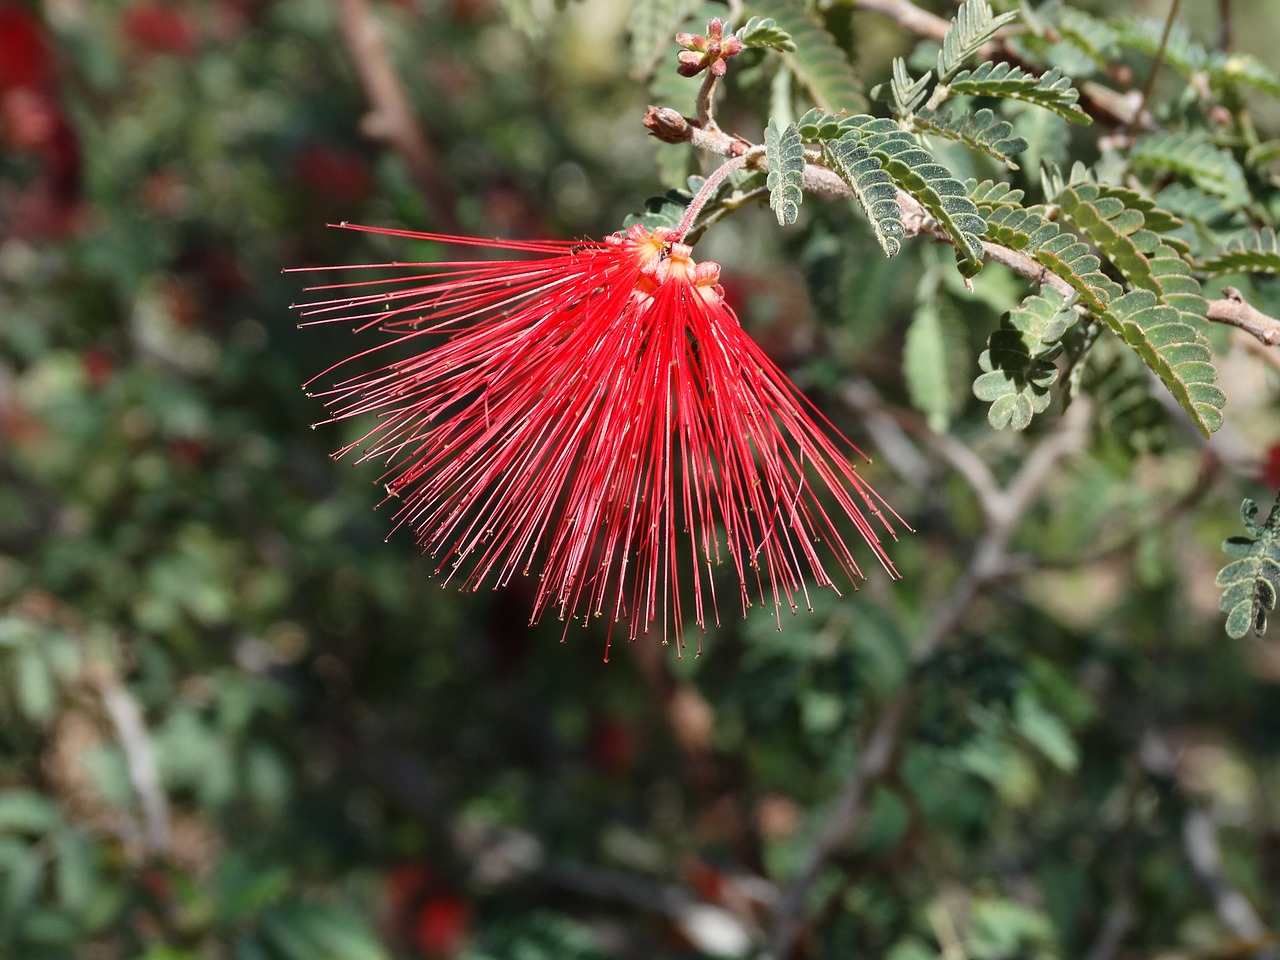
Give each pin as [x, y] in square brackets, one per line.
[236, 721]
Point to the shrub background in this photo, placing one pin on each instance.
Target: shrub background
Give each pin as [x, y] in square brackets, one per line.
[352, 763]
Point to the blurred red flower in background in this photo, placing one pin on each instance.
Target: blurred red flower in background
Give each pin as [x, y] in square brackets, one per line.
[159, 28]
[442, 926]
[598, 407]
[32, 122]
[25, 55]
[1269, 475]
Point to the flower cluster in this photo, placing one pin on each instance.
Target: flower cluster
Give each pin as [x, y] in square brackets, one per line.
[596, 414]
[706, 52]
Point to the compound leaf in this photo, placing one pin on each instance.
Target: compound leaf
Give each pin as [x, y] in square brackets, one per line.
[1031, 232]
[1052, 91]
[1017, 366]
[1144, 36]
[872, 187]
[817, 61]
[1252, 580]
[934, 363]
[784, 159]
[933, 186]
[1175, 351]
[982, 131]
[818, 126]
[765, 32]
[652, 25]
[1229, 71]
[1259, 254]
[992, 194]
[905, 93]
[1193, 156]
[974, 24]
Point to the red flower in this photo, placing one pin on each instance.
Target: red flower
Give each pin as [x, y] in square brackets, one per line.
[1269, 475]
[598, 413]
[159, 28]
[25, 57]
[442, 926]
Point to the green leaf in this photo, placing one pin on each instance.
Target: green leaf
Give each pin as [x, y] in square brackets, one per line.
[1017, 365]
[818, 62]
[872, 187]
[23, 874]
[1115, 219]
[974, 24]
[1030, 232]
[935, 364]
[1193, 156]
[765, 32]
[1115, 229]
[316, 931]
[1047, 732]
[1052, 91]
[1262, 154]
[982, 131]
[34, 685]
[916, 172]
[818, 126]
[664, 211]
[990, 194]
[784, 159]
[1251, 582]
[25, 811]
[1259, 254]
[1176, 351]
[905, 93]
[1203, 214]
[653, 25]
[75, 869]
[1231, 71]
[1154, 217]
[1095, 37]
[1174, 348]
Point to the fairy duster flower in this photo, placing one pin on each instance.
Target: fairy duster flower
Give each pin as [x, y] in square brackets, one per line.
[593, 415]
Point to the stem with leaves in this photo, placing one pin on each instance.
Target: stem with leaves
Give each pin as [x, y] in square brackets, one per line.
[669, 126]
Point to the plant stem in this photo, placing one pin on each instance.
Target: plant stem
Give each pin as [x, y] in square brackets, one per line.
[708, 190]
[1159, 58]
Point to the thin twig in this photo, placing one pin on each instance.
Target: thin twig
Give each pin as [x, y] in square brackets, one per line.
[1114, 928]
[1200, 844]
[879, 753]
[140, 758]
[908, 16]
[861, 398]
[1150, 85]
[390, 119]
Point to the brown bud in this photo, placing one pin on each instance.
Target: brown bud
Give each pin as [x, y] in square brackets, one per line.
[666, 124]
